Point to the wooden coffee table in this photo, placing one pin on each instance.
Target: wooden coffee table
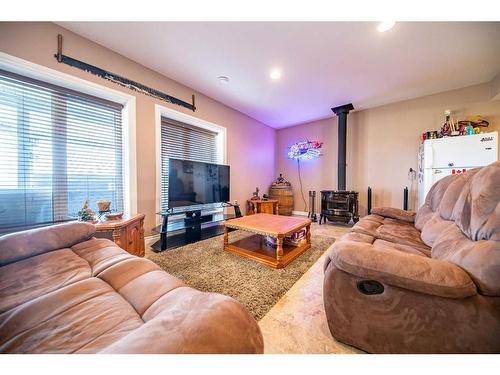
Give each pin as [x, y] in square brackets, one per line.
[256, 247]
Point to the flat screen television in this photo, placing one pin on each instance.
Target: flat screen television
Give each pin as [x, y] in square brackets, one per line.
[195, 183]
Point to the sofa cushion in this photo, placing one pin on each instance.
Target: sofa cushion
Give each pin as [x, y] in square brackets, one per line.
[188, 321]
[434, 200]
[481, 259]
[423, 215]
[477, 211]
[133, 276]
[367, 227]
[21, 245]
[33, 277]
[434, 226]
[401, 234]
[383, 244]
[374, 217]
[437, 191]
[357, 237]
[81, 317]
[395, 213]
[100, 254]
[390, 230]
[452, 193]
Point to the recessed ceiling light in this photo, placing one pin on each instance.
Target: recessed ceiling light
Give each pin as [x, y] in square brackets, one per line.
[223, 80]
[385, 26]
[275, 74]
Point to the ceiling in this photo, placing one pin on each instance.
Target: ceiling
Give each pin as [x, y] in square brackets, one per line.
[323, 64]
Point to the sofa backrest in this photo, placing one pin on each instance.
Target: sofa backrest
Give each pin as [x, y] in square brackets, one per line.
[460, 220]
[22, 245]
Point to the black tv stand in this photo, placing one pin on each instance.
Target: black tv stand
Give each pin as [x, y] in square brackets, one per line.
[194, 227]
[193, 218]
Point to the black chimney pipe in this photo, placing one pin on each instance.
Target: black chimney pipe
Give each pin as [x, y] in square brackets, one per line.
[342, 112]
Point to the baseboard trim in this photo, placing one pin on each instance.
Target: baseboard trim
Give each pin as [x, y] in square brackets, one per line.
[300, 213]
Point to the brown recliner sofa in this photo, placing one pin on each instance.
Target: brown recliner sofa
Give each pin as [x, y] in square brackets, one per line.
[425, 283]
[63, 291]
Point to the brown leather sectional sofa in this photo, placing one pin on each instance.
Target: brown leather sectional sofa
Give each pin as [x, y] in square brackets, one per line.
[424, 283]
[63, 291]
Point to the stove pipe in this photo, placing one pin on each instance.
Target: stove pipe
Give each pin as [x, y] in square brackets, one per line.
[342, 112]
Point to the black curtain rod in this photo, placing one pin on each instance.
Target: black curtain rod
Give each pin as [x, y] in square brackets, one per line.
[122, 81]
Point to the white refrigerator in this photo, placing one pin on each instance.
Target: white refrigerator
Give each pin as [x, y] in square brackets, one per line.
[442, 157]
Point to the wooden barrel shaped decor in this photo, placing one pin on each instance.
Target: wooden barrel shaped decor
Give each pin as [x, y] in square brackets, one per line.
[282, 191]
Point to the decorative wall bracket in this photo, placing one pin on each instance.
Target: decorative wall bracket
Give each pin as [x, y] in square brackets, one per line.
[122, 81]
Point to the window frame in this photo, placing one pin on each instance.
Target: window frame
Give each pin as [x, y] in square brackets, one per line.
[161, 111]
[35, 71]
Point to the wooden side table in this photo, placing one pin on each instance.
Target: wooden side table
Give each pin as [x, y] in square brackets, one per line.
[128, 233]
[258, 206]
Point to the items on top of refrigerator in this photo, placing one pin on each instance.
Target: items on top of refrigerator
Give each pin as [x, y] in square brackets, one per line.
[470, 126]
[475, 121]
[469, 130]
[448, 127]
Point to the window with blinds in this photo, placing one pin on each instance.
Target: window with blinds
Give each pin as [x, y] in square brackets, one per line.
[184, 141]
[59, 149]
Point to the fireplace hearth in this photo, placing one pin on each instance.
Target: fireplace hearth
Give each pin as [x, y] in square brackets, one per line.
[340, 205]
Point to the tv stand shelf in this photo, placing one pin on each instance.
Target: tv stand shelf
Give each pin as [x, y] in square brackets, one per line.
[177, 231]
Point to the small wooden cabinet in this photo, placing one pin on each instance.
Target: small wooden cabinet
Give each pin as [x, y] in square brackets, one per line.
[128, 233]
[257, 206]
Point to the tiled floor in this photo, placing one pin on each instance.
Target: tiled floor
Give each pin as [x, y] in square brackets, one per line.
[297, 323]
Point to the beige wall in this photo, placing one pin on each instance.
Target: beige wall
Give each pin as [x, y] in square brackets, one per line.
[252, 158]
[382, 144]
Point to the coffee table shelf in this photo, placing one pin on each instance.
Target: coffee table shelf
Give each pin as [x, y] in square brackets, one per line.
[256, 247]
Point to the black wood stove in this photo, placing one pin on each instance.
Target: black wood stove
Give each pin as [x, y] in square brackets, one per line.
[340, 205]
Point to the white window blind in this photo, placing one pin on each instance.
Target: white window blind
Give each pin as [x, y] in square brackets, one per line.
[188, 142]
[59, 148]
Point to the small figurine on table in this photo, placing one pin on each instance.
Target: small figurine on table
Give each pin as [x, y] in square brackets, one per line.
[86, 213]
[255, 194]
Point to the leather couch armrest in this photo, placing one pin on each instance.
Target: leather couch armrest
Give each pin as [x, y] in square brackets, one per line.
[408, 271]
[395, 213]
[21, 245]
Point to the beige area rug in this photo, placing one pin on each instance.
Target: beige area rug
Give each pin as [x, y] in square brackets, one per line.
[206, 266]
